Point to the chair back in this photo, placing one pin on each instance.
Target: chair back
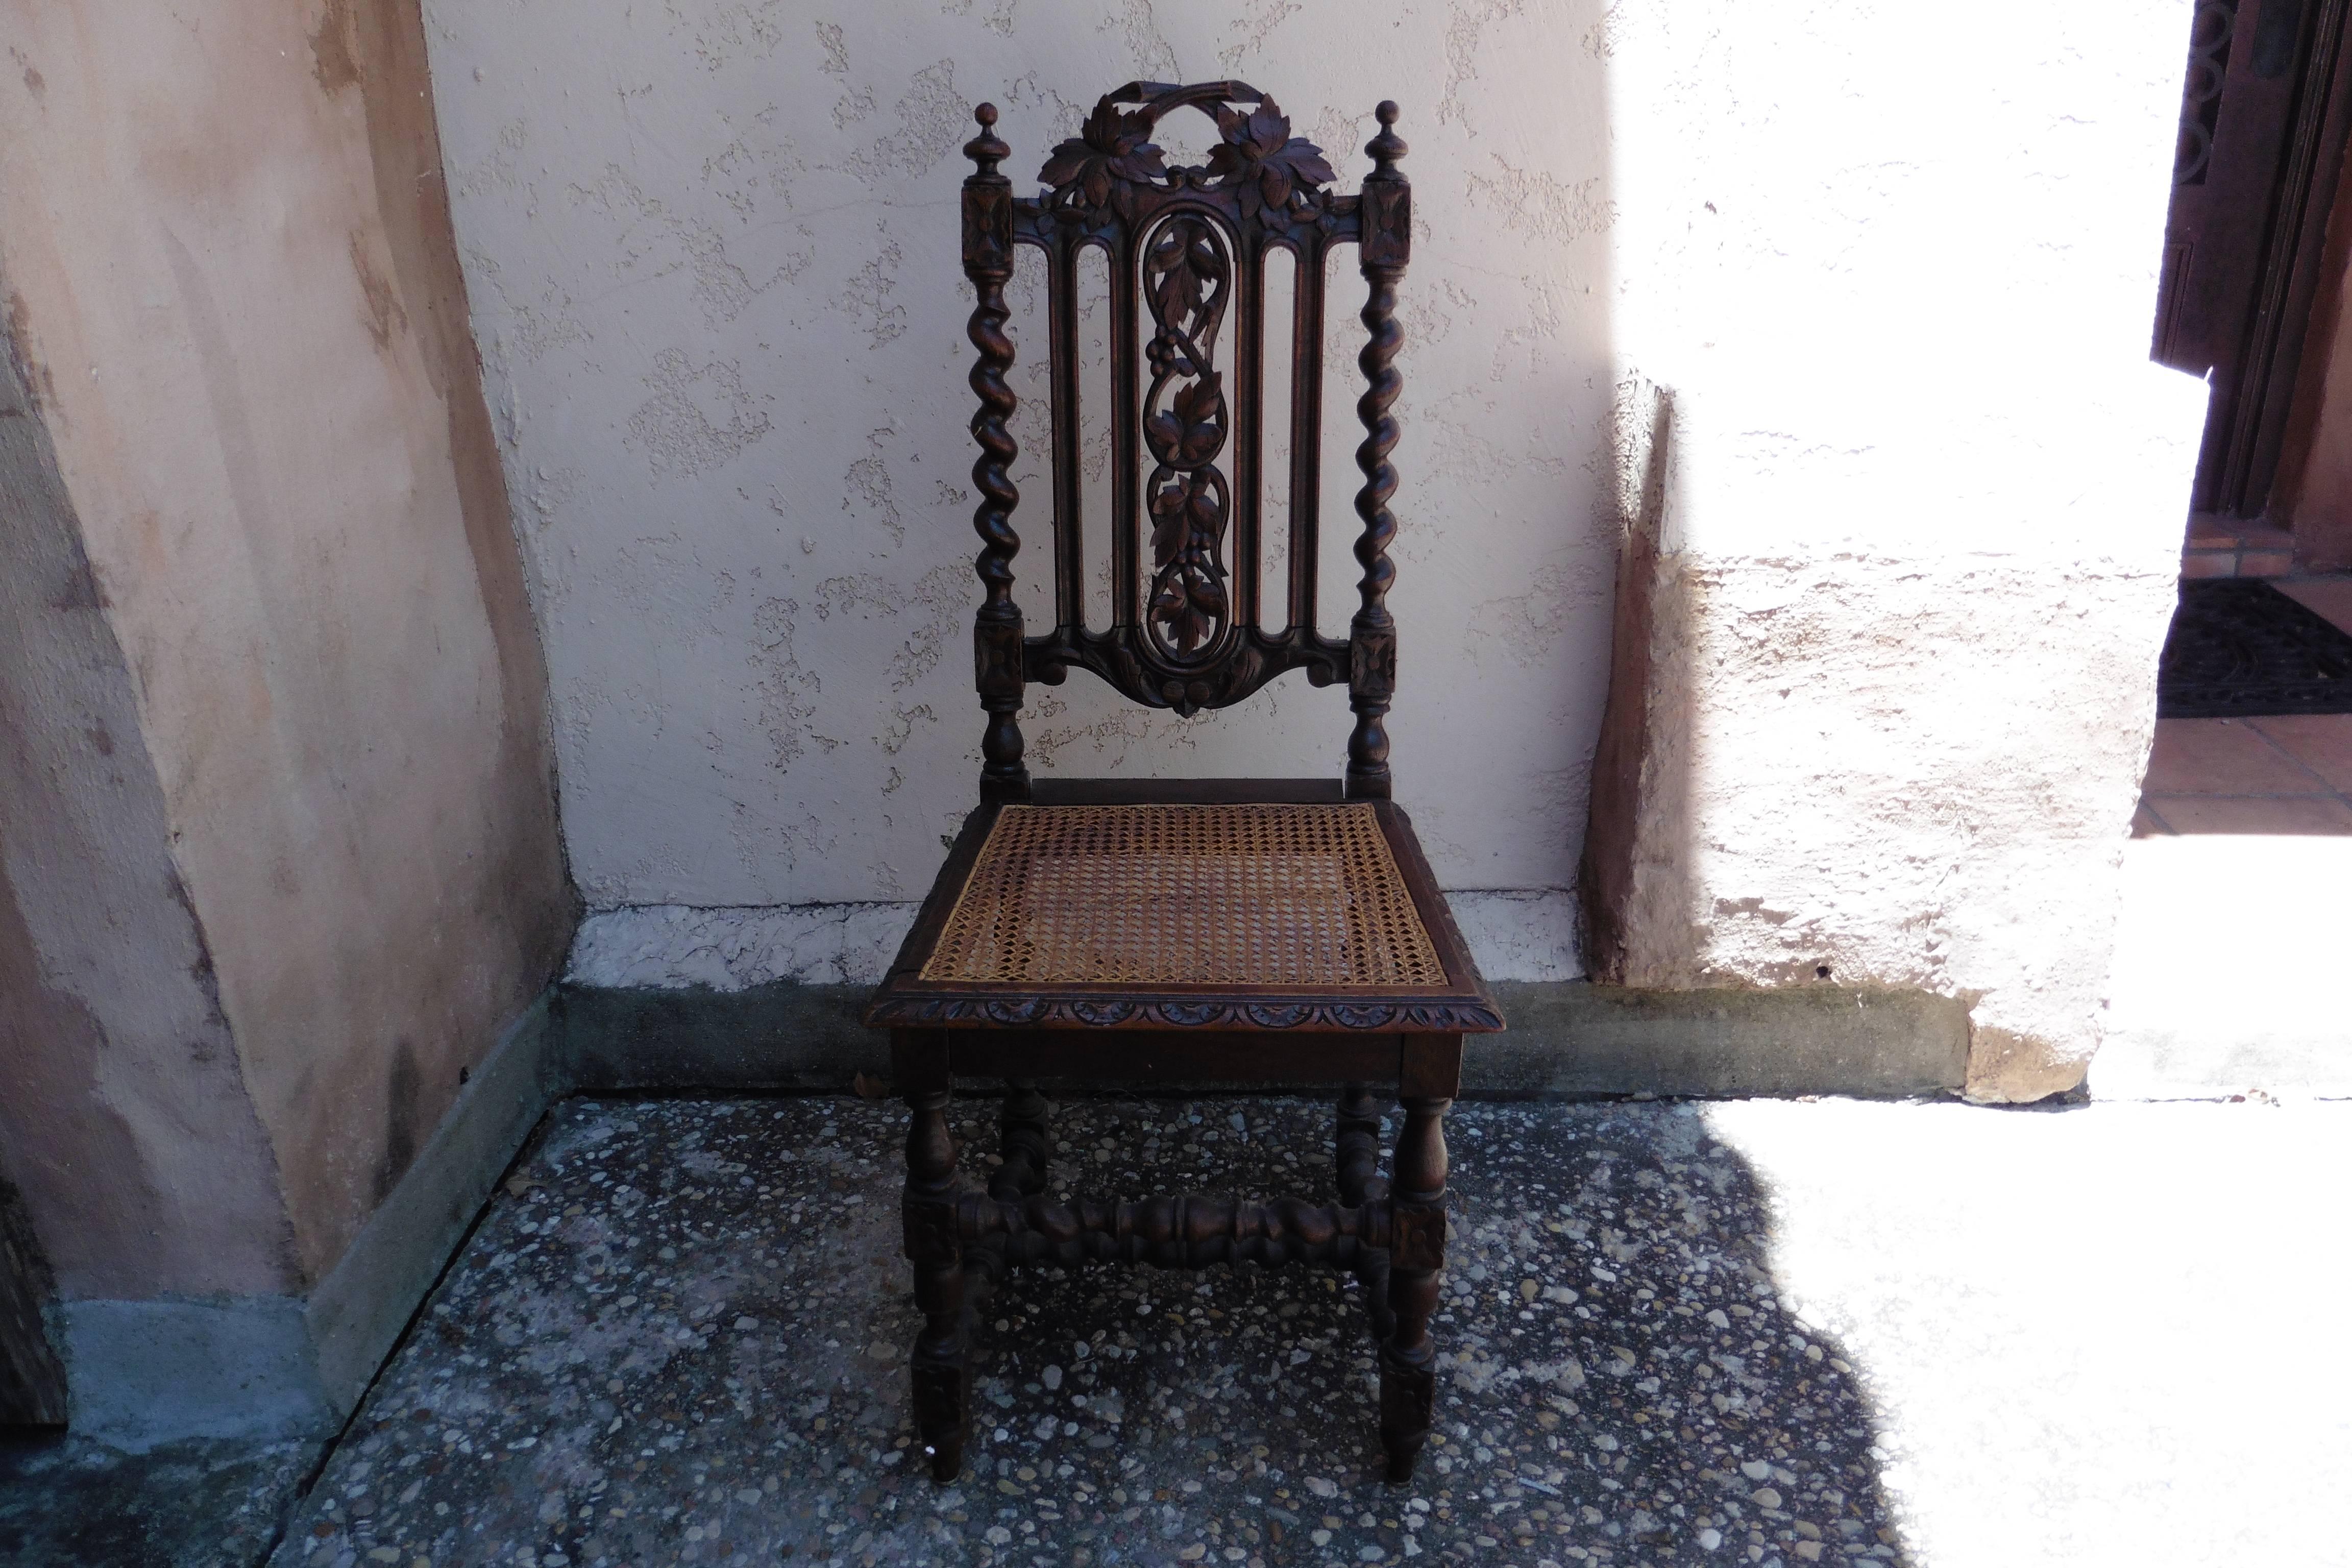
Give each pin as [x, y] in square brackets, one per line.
[1187, 248]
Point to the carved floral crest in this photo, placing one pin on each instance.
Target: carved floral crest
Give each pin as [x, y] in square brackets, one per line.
[1111, 153]
[1263, 162]
[1265, 167]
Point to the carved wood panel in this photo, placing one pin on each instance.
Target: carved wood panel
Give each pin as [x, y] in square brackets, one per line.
[2266, 106]
[1187, 250]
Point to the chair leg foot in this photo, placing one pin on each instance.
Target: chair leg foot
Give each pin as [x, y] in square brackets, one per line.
[1408, 1399]
[942, 1409]
[940, 1365]
[1408, 1360]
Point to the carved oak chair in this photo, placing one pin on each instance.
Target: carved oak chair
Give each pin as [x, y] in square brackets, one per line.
[1257, 931]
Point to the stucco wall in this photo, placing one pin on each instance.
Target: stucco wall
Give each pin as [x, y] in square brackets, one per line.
[712, 252]
[232, 286]
[1919, 519]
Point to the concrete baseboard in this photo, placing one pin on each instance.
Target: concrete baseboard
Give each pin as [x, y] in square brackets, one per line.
[356, 1313]
[1572, 1039]
[1567, 1038]
[145, 1372]
[782, 1035]
[141, 1374]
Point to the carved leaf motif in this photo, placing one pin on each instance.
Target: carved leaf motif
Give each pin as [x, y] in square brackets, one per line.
[1263, 161]
[1112, 149]
[1168, 522]
[1189, 434]
[1188, 271]
[1191, 603]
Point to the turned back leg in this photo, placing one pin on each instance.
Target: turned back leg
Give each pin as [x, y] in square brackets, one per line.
[1356, 1153]
[1024, 1140]
[1355, 1160]
[940, 1364]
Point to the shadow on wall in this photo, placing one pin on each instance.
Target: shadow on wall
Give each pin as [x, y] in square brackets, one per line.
[684, 1322]
[1640, 785]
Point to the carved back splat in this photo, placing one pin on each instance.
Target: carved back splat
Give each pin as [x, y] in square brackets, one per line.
[1186, 249]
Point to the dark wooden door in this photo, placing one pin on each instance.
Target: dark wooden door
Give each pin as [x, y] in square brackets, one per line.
[2263, 116]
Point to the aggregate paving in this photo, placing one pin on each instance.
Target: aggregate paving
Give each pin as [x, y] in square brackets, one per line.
[195, 1503]
[679, 1335]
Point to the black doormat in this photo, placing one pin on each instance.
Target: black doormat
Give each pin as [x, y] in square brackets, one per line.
[2238, 646]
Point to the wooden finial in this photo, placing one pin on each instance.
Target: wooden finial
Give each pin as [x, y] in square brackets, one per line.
[1387, 147]
[987, 147]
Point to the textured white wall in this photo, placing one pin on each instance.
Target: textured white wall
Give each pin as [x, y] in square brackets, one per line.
[1898, 266]
[712, 246]
[1895, 263]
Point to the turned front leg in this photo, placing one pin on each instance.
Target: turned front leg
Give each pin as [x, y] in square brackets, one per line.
[940, 1364]
[1417, 1254]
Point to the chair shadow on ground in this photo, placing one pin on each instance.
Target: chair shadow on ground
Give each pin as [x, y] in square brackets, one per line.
[680, 1333]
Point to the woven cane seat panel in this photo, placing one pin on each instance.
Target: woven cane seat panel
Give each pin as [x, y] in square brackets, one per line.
[1151, 895]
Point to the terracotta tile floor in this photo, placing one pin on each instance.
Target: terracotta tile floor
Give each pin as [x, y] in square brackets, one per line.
[2290, 774]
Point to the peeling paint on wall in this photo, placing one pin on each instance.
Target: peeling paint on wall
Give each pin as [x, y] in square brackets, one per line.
[697, 418]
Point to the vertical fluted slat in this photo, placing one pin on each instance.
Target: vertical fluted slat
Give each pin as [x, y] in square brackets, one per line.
[1069, 531]
[1249, 427]
[1306, 432]
[1126, 437]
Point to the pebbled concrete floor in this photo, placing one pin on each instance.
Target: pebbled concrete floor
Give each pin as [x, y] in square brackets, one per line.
[1759, 1332]
[201, 1503]
[681, 1338]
